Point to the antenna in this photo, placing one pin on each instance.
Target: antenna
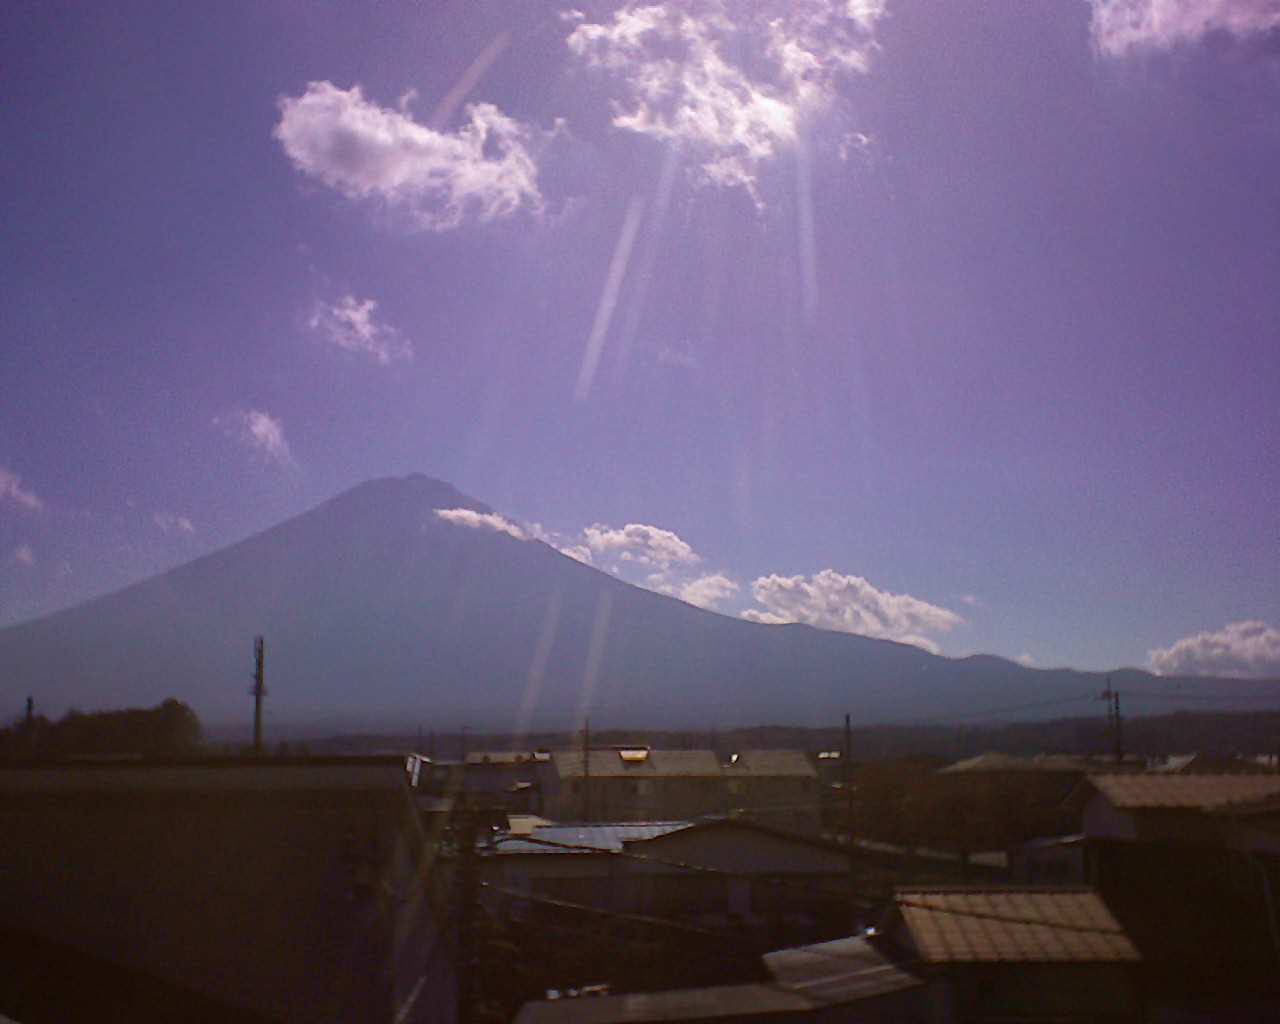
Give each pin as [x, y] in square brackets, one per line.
[258, 692]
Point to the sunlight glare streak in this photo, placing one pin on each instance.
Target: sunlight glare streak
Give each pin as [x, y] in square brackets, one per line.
[595, 655]
[609, 296]
[469, 80]
[804, 216]
[649, 251]
[538, 667]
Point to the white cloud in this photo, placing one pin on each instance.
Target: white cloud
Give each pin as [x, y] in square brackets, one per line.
[1238, 649]
[261, 432]
[707, 591]
[24, 555]
[641, 544]
[481, 521]
[731, 82]
[831, 600]
[350, 324]
[12, 491]
[173, 524]
[578, 552]
[1120, 26]
[483, 169]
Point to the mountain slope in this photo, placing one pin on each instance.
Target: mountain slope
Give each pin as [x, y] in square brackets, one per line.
[377, 613]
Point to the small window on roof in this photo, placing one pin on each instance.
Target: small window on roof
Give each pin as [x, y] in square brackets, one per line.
[633, 755]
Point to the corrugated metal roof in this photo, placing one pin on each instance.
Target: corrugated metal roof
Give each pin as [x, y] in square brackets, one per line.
[604, 838]
[1189, 792]
[659, 763]
[771, 762]
[840, 971]
[971, 925]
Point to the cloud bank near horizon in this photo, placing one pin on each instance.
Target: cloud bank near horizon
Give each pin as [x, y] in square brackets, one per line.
[1239, 650]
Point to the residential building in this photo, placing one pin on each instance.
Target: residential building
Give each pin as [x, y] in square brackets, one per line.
[297, 889]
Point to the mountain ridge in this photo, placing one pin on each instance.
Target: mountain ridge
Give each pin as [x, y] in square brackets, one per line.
[377, 612]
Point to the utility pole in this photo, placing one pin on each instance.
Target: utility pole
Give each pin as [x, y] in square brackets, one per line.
[31, 711]
[586, 769]
[1112, 697]
[258, 692]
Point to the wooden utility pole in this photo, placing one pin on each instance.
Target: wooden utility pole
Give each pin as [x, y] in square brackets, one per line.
[1112, 697]
[258, 692]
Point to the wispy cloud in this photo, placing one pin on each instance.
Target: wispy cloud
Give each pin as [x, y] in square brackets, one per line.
[1249, 649]
[1120, 26]
[731, 82]
[167, 523]
[849, 604]
[350, 324]
[482, 521]
[24, 555]
[259, 431]
[13, 493]
[484, 169]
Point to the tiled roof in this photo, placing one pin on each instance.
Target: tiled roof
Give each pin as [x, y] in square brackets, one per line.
[971, 925]
[771, 762]
[1188, 792]
[660, 763]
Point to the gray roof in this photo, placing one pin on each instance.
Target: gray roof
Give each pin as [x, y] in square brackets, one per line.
[689, 1004]
[659, 764]
[772, 762]
[603, 838]
[840, 971]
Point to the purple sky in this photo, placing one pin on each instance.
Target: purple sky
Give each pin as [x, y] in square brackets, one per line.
[952, 323]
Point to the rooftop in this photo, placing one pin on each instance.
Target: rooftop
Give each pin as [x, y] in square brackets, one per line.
[607, 838]
[1186, 792]
[622, 762]
[771, 762]
[1007, 925]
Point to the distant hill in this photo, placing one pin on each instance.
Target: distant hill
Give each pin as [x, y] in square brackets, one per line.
[378, 614]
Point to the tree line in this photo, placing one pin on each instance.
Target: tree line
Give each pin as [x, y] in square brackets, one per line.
[169, 729]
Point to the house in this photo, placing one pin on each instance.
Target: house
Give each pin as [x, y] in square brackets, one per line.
[1190, 865]
[1238, 811]
[284, 889]
[777, 886]
[775, 786]
[637, 783]
[632, 784]
[846, 980]
[1016, 953]
[944, 956]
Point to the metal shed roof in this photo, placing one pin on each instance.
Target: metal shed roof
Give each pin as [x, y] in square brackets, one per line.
[600, 838]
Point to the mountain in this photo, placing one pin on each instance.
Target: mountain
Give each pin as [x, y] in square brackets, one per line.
[378, 614]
